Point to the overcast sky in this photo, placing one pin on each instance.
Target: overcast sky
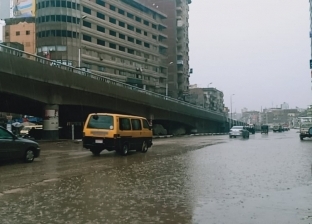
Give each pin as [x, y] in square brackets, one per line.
[257, 50]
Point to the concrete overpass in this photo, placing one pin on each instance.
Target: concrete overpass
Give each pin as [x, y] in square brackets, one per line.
[31, 85]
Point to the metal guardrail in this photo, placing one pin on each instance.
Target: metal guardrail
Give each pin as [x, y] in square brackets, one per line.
[89, 74]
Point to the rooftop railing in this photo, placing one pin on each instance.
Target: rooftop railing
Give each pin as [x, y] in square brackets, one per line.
[80, 71]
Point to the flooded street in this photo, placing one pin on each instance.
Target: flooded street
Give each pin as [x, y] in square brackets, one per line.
[195, 179]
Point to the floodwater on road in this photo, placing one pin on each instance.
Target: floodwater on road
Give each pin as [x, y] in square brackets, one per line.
[197, 179]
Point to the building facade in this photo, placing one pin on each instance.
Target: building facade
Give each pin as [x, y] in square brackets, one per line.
[23, 31]
[177, 23]
[123, 40]
[209, 98]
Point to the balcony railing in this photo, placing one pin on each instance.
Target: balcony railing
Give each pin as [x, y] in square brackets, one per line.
[91, 75]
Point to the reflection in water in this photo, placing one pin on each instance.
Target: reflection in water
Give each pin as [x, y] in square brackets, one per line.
[134, 189]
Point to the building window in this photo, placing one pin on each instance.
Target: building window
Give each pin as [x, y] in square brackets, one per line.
[138, 30]
[113, 8]
[130, 27]
[154, 26]
[100, 15]
[113, 46]
[130, 51]
[69, 19]
[138, 42]
[101, 29]
[121, 36]
[58, 3]
[146, 23]
[131, 39]
[69, 4]
[87, 38]
[154, 37]
[145, 33]
[101, 42]
[100, 2]
[18, 33]
[87, 10]
[86, 24]
[122, 24]
[27, 32]
[122, 48]
[146, 45]
[112, 33]
[101, 68]
[120, 11]
[129, 15]
[138, 19]
[112, 20]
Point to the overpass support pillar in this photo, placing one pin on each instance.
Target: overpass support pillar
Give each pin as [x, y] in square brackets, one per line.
[51, 122]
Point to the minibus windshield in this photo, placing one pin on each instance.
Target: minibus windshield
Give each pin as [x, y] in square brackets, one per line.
[100, 122]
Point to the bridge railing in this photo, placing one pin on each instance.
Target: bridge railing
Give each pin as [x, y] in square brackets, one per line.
[80, 71]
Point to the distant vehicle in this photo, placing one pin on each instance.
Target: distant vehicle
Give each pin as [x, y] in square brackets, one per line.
[25, 130]
[265, 129]
[251, 128]
[277, 128]
[13, 147]
[237, 131]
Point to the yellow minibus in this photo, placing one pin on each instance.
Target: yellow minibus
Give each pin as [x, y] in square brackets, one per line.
[118, 132]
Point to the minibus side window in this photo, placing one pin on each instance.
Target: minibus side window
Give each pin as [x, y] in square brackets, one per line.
[124, 124]
[145, 124]
[136, 124]
[101, 122]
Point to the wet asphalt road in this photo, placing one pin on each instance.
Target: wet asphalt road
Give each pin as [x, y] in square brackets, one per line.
[207, 179]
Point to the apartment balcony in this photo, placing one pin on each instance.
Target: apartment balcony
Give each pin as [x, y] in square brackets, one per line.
[180, 24]
[179, 17]
[180, 62]
[180, 71]
[180, 53]
[179, 9]
[163, 36]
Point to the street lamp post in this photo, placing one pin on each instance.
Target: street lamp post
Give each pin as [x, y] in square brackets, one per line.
[167, 79]
[231, 111]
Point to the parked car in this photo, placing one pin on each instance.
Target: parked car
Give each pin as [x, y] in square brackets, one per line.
[13, 147]
[237, 131]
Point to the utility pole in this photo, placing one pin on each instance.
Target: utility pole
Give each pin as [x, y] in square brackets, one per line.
[231, 112]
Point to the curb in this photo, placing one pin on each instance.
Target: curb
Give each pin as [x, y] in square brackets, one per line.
[209, 134]
[162, 136]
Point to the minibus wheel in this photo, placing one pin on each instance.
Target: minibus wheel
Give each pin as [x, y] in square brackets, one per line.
[144, 147]
[124, 150]
[96, 152]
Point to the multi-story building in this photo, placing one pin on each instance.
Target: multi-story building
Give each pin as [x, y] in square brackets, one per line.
[215, 99]
[279, 116]
[21, 30]
[251, 117]
[123, 40]
[209, 98]
[177, 24]
[284, 106]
